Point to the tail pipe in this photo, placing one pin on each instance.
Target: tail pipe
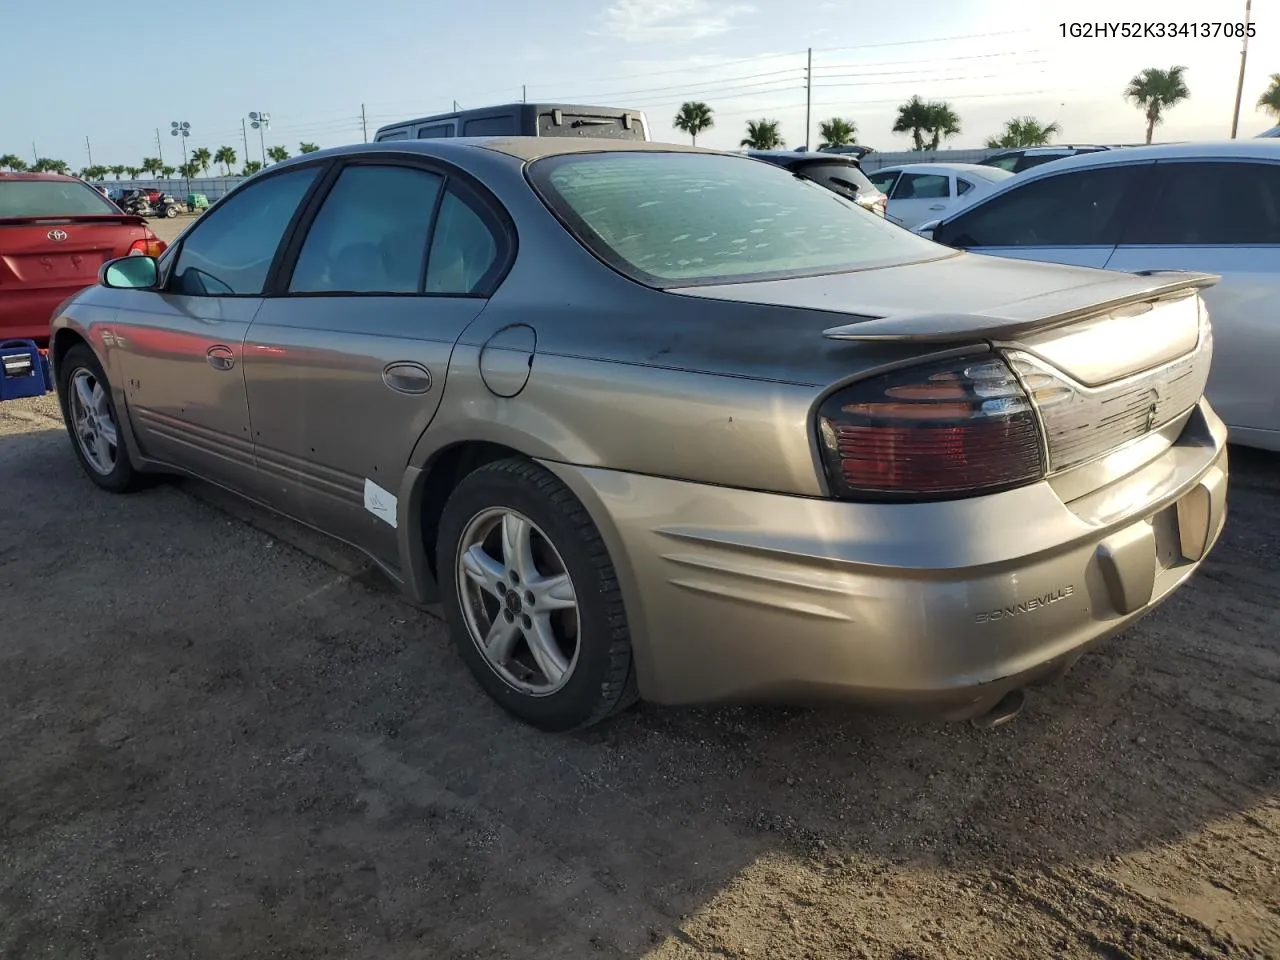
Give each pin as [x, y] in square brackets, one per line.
[1006, 708]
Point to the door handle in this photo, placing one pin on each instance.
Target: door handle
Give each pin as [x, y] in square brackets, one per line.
[938, 206]
[221, 358]
[405, 376]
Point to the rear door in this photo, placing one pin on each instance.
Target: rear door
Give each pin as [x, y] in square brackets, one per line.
[1075, 216]
[347, 364]
[918, 197]
[1223, 217]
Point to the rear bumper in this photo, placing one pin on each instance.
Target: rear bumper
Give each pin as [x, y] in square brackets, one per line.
[26, 314]
[735, 595]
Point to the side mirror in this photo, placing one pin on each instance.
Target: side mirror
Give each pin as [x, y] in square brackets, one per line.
[130, 273]
[926, 229]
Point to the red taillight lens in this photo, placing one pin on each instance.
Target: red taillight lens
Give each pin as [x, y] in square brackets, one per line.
[148, 247]
[957, 428]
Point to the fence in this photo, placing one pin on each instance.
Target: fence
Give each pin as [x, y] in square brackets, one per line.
[872, 162]
[212, 187]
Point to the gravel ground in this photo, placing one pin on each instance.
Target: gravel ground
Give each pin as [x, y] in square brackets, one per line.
[214, 744]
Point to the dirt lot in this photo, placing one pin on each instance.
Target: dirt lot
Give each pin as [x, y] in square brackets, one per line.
[215, 745]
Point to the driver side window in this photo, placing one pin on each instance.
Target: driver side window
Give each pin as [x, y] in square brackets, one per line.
[230, 251]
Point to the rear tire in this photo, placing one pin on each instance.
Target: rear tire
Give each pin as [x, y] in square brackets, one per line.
[93, 425]
[532, 598]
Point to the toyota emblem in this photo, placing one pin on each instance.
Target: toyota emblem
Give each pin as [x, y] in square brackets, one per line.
[57, 236]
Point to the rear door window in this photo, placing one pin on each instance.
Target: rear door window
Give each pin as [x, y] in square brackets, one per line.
[921, 186]
[370, 235]
[1210, 204]
[1077, 208]
[435, 130]
[394, 135]
[464, 249]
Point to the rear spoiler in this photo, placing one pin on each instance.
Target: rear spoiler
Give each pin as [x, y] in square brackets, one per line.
[1024, 316]
[130, 218]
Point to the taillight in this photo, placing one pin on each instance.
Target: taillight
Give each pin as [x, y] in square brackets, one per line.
[147, 247]
[954, 428]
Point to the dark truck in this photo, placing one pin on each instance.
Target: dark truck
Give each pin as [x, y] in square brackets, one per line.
[524, 120]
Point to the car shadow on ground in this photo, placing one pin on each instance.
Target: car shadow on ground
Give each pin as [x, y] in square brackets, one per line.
[214, 745]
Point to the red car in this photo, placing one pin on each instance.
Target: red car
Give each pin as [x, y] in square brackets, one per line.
[55, 232]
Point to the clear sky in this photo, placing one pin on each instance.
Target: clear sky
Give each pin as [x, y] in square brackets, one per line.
[115, 74]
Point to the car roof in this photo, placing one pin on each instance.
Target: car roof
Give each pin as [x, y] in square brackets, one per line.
[499, 107]
[1251, 149]
[521, 148]
[975, 169]
[38, 176]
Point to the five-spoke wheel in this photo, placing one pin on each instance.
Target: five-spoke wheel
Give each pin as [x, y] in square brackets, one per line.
[532, 597]
[92, 421]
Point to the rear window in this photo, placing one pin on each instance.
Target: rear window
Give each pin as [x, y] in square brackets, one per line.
[612, 127]
[51, 198]
[678, 218]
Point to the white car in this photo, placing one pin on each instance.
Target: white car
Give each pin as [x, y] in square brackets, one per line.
[925, 191]
[1208, 207]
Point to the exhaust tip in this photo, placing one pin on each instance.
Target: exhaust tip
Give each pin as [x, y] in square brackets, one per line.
[1008, 707]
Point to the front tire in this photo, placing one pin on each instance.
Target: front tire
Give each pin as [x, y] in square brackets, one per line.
[532, 597]
[89, 412]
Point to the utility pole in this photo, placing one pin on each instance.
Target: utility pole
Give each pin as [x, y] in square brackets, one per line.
[244, 135]
[364, 123]
[89, 149]
[159, 149]
[1244, 53]
[524, 93]
[455, 106]
[808, 97]
[34, 152]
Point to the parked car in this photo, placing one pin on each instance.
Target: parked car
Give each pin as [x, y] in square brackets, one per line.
[523, 120]
[659, 421]
[1213, 207]
[55, 233]
[922, 191]
[1024, 158]
[838, 173]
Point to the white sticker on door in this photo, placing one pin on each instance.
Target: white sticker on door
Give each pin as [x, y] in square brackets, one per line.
[381, 503]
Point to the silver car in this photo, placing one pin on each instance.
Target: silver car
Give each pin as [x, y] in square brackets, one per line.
[664, 422]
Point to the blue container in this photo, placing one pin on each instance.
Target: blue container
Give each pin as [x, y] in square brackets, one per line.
[24, 370]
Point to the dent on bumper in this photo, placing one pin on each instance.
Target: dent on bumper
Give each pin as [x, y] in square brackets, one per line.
[741, 595]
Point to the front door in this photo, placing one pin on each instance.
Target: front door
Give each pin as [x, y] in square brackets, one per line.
[181, 347]
[918, 197]
[346, 368]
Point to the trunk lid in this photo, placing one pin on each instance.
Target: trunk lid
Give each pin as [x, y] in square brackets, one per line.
[1107, 358]
[38, 253]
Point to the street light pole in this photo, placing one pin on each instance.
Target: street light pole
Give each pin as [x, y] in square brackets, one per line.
[259, 121]
[1244, 53]
[181, 129]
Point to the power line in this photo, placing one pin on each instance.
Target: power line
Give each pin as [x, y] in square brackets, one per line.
[908, 43]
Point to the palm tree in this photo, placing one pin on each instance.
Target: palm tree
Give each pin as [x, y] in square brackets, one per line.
[837, 132]
[913, 118]
[11, 161]
[118, 169]
[47, 165]
[1154, 91]
[694, 117]
[96, 172]
[305, 147]
[152, 166]
[251, 167]
[190, 169]
[1269, 101]
[201, 157]
[168, 172]
[133, 172]
[934, 117]
[763, 135]
[278, 153]
[227, 157]
[1024, 132]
